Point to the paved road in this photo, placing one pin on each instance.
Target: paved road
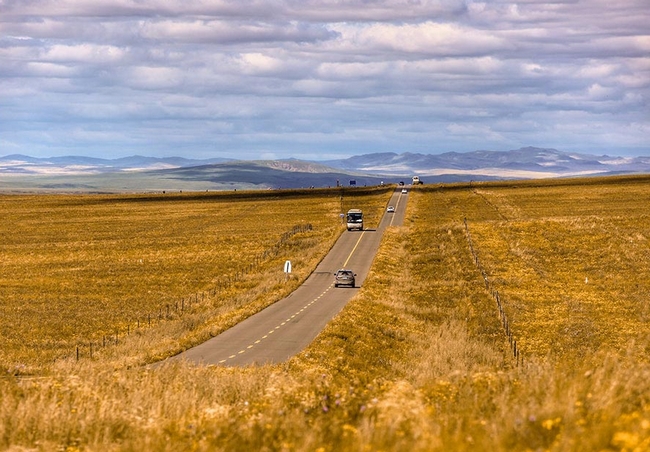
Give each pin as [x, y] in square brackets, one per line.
[289, 325]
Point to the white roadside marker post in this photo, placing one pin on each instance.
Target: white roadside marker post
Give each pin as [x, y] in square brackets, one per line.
[287, 270]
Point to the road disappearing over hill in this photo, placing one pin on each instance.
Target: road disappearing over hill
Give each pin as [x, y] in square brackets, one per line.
[286, 327]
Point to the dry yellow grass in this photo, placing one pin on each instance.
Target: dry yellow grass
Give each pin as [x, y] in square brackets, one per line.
[571, 265]
[417, 361]
[92, 268]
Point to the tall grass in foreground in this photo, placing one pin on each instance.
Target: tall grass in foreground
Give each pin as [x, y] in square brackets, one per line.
[417, 361]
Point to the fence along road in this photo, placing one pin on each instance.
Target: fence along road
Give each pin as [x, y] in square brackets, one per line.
[289, 325]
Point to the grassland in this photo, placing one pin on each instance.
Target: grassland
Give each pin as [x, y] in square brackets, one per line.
[419, 359]
[572, 264]
[76, 270]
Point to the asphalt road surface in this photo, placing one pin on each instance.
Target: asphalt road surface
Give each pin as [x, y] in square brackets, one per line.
[286, 327]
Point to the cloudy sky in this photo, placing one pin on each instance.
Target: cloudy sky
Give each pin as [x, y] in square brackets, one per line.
[320, 79]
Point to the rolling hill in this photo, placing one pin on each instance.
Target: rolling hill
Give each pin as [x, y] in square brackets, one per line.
[138, 173]
[524, 163]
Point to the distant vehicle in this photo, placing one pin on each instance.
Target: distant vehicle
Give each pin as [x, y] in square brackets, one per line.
[404, 191]
[344, 277]
[401, 183]
[390, 209]
[416, 180]
[355, 219]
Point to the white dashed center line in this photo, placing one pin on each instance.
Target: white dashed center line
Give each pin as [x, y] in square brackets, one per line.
[279, 326]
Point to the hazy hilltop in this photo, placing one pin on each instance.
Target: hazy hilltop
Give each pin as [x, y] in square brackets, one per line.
[271, 174]
[24, 164]
[528, 162]
[139, 173]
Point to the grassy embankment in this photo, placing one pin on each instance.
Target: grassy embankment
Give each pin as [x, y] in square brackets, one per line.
[418, 360]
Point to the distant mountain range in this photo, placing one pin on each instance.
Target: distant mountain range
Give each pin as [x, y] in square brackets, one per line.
[150, 173]
[25, 164]
[524, 163]
[290, 173]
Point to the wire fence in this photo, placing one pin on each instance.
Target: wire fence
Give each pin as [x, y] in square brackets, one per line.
[170, 311]
[489, 286]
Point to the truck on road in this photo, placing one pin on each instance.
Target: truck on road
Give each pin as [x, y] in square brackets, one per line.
[355, 219]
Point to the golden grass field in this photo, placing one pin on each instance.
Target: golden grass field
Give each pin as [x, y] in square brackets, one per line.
[77, 269]
[418, 361]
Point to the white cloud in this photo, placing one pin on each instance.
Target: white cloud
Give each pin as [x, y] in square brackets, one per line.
[316, 77]
[41, 69]
[476, 132]
[352, 70]
[229, 32]
[257, 63]
[84, 53]
[428, 38]
[147, 77]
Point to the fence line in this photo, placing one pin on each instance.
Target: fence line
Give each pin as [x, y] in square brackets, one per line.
[177, 308]
[505, 323]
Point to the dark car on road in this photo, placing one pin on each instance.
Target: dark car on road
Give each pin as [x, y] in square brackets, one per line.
[344, 277]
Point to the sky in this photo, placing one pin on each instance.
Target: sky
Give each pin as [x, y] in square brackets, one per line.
[322, 79]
